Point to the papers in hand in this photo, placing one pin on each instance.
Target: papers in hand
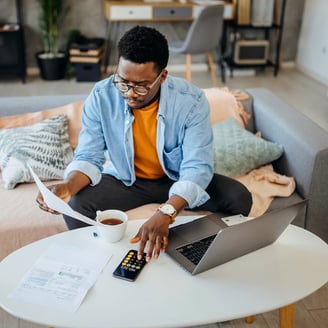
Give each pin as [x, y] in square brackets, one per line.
[56, 203]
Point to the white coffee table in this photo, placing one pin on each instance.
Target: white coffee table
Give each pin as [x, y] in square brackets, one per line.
[165, 295]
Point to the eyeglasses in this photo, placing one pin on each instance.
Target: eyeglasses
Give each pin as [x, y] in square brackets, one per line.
[140, 90]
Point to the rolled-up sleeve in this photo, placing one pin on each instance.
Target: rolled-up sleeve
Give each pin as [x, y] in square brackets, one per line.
[190, 191]
[86, 168]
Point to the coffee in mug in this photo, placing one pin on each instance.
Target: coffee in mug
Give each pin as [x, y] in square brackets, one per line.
[111, 221]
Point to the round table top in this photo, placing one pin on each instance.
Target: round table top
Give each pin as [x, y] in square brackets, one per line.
[165, 295]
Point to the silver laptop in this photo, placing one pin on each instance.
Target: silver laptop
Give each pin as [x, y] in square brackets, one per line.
[207, 242]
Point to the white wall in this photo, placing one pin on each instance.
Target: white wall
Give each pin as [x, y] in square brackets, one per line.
[312, 55]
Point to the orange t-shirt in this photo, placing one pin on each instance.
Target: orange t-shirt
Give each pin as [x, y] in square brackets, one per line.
[146, 162]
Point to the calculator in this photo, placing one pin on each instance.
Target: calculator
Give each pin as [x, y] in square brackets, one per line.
[130, 266]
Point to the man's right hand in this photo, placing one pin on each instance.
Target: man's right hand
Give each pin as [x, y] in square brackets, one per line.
[61, 190]
[65, 190]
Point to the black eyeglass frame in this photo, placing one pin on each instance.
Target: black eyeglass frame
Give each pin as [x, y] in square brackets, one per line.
[127, 87]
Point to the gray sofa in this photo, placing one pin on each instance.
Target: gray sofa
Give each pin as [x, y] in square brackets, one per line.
[305, 143]
[305, 156]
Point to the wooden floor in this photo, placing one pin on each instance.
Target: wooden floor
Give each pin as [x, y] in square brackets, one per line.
[307, 95]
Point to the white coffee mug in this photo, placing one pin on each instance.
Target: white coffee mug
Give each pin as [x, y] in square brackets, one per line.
[111, 225]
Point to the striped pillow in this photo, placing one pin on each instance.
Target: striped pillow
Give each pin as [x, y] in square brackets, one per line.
[44, 146]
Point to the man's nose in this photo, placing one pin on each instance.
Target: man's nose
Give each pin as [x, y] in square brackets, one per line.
[129, 90]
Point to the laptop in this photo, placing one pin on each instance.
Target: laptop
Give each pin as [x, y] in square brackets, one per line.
[207, 242]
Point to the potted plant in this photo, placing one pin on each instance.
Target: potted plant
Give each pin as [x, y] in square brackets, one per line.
[51, 61]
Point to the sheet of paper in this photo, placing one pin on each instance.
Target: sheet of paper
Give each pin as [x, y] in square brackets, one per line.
[62, 276]
[56, 203]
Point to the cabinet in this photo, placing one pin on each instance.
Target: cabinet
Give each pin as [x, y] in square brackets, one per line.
[12, 48]
[157, 11]
[118, 11]
[250, 43]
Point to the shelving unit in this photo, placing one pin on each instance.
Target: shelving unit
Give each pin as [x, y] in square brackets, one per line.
[12, 46]
[271, 34]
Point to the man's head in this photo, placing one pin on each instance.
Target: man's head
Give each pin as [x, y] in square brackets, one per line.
[143, 56]
[143, 44]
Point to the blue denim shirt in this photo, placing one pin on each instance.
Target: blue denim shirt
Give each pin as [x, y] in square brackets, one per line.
[184, 138]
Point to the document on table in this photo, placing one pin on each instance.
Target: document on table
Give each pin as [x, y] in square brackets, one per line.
[62, 276]
[56, 203]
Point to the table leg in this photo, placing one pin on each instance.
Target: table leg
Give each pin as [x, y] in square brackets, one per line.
[106, 56]
[286, 316]
[249, 319]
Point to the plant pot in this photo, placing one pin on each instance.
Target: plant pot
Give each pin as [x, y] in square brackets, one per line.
[51, 68]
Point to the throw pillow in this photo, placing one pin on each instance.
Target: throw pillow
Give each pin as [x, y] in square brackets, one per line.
[44, 146]
[226, 104]
[238, 151]
[73, 112]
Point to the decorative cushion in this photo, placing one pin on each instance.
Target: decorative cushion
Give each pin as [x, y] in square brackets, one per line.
[226, 104]
[73, 112]
[238, 151]
[44, 146]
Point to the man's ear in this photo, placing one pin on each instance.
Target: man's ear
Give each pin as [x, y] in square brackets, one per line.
[164, 75]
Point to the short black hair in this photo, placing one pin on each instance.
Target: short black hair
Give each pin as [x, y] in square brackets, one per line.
[143, 44]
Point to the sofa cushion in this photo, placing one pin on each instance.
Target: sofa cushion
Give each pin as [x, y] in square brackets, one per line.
[21, 220]
[44, 146]
[72, 110]
[238, 151]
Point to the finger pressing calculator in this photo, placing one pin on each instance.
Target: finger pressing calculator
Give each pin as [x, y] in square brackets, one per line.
[130, 266]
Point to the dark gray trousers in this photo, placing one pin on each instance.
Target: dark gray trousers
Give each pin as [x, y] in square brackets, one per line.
[227, 195]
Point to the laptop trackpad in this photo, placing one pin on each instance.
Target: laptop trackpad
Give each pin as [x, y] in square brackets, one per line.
[197, 229]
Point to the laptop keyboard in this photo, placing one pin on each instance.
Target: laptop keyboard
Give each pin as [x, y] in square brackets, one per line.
[195, 251]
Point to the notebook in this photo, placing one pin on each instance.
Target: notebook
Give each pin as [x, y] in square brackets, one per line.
[215, 242]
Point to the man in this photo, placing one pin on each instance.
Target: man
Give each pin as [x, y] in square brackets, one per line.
[158, 135]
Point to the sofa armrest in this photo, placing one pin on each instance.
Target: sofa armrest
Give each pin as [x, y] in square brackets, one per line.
[305, 156]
